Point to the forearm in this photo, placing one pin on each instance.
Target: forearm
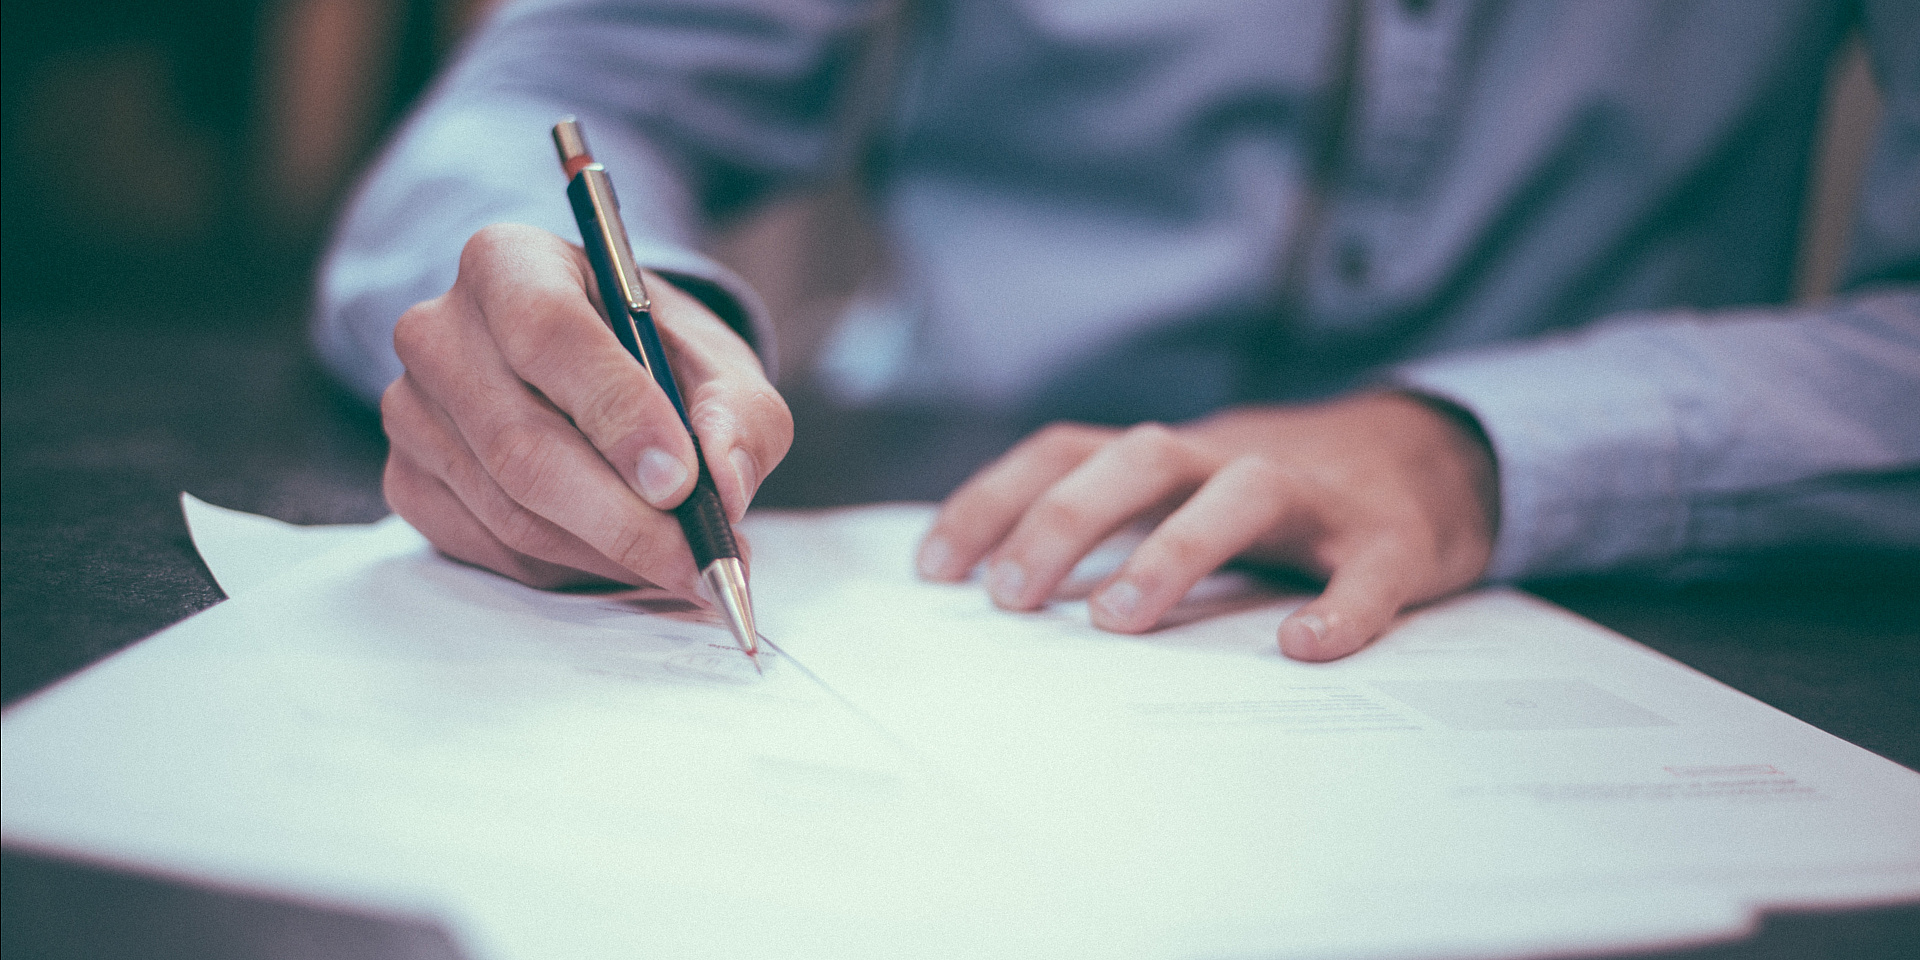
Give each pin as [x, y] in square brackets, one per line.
[1681, 443]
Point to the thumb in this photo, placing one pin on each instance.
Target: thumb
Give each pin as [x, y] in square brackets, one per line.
[1360, 601]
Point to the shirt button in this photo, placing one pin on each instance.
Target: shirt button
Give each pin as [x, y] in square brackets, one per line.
[1353, 262]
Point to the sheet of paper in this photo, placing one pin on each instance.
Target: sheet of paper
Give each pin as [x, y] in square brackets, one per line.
[1493, 742]
[245, 551]
[576, 775]
[388, 730]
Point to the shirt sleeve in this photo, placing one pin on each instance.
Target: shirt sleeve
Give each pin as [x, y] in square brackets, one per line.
[1683, 445]
[1689, 444]
[696, 108]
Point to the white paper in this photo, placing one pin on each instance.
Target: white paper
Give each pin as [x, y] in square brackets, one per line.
[565, 775]
[245, 551]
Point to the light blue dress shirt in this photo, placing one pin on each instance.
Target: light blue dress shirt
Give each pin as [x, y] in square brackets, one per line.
[1575, 220]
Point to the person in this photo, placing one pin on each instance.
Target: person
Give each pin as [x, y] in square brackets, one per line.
[1407, 295]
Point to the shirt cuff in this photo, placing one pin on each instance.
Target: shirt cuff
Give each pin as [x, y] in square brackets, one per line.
[1586, 448]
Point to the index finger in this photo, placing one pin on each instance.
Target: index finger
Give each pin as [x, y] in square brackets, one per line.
[976, 517]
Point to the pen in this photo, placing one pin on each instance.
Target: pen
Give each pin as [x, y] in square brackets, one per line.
[715, 553]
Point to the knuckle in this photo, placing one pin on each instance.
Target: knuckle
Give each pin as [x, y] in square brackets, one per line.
[756, 414]
[1058, 447]
[547, 319]
[1055, 433]
[1181, 551]
[775, 420]
[601, 406]
[491, 243]
[406, 417]
[400, 484]
[633, 546]
[1150, 444]
[1055, 515]
[1258, 473]
[1069, 436]
[719, 405]
[520, 531]
[520, 458]
[418, 330]
[395, 407]
[1150, 434]
[985, 494]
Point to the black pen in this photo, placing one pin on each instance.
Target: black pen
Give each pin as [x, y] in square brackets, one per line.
[715, 553]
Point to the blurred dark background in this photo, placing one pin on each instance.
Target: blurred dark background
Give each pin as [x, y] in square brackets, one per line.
[185, 154]
[169, 171]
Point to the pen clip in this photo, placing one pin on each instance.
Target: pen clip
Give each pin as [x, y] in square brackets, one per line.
[592, 178]
[613, 234]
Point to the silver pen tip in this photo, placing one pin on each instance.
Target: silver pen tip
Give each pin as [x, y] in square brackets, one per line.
[726, 579]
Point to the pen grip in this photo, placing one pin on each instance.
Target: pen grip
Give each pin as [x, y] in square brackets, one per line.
[704, 520]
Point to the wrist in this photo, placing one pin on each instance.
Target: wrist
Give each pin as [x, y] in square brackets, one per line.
[1459, 433]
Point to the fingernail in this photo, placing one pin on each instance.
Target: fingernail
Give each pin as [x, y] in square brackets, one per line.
[1004, 583]
[748, 474]
[936, 554]
[1303, 634]
[660, 474]
[1119, 600]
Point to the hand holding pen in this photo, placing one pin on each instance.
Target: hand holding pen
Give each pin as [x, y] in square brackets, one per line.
[524, 438]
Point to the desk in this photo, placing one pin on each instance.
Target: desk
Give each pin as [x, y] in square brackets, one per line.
[107, 419]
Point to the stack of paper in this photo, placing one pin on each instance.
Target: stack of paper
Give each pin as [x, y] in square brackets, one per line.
[919, 774]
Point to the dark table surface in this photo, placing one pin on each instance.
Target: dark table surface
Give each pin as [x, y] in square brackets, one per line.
[107, 419]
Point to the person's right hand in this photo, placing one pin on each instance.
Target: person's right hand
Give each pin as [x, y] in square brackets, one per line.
[525, 439]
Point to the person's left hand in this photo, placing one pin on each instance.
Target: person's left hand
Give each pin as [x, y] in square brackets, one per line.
[1389, 499]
